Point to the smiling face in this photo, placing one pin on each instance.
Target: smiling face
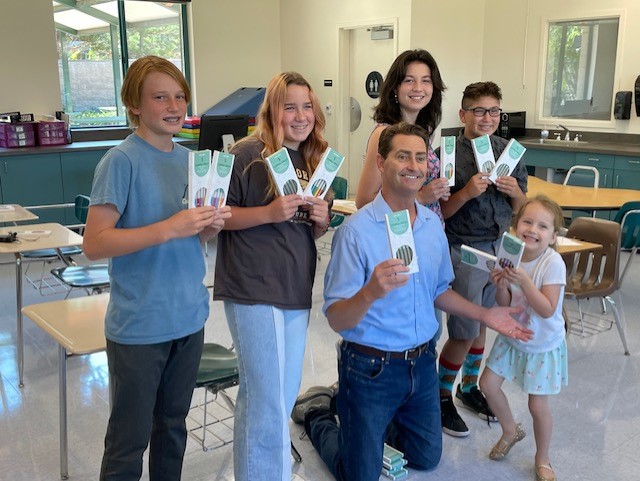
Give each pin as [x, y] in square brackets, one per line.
[415, 91]
[405, 167]
[298, 119]
[478, 126]
[161, 110]
[536, 228]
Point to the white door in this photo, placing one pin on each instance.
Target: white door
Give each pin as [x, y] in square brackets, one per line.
[365, 56]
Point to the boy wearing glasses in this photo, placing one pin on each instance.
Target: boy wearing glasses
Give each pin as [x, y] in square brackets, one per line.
[476, 214]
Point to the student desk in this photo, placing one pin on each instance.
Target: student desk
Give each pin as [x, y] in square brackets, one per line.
[77, 325]
[585, 198]
[15, 213]
[58, 237]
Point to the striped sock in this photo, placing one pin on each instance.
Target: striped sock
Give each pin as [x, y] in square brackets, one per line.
[447, 373]
[471, 369]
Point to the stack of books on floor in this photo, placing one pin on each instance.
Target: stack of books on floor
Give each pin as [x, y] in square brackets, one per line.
[191, 128]
[393, 463]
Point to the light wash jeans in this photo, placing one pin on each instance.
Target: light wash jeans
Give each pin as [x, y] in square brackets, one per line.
[270, 346]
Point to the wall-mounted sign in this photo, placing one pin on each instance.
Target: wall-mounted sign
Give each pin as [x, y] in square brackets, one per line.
[372, 84]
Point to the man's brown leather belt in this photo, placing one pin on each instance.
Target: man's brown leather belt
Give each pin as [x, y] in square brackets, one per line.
[407, 355]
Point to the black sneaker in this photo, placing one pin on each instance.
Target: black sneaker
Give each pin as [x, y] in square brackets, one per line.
[475, 401]
[452, 423]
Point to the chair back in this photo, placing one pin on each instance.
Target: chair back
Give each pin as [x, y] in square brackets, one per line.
[340, 187]
[629, 218]
[594, 273]
[82, 207]
[577, 175]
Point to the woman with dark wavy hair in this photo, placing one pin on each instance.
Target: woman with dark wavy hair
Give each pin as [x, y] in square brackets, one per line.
[411, 92]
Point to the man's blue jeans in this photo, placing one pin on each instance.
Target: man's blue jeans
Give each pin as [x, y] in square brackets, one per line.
[373, 395]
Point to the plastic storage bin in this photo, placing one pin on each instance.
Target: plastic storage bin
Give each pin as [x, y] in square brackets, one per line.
[51, 133]
[21, 134]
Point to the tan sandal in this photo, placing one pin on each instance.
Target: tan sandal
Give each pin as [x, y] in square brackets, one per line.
[502, 447]
[541, 477]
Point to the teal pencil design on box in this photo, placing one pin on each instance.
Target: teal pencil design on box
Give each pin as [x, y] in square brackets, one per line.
[290, 187]
[198, 177]
[483, 153]
[318, 187]
[405, 253]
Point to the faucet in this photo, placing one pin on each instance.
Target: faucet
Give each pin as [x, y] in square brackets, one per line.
[567, 133]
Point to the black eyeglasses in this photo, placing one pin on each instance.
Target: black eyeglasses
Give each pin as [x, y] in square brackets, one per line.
[480, 112]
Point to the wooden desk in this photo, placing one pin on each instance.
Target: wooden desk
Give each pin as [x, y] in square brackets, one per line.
[59, 237]
[587, 198]
[344, 206]
[565, 245]
[16, 214]
[77, 325]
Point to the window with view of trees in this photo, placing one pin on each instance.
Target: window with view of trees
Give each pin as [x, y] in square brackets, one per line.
[98, 39]
[580, 68]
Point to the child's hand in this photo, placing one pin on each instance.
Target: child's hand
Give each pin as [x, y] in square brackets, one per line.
[318, 210]
[498, 279]
[284, 207]
[478, 184]
[435, 190]
[516, 276]
[508, 185]
[217, 222]
[189, 222]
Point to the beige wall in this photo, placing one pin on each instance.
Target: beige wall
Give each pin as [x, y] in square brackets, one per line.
[310, 39]
[28, 61]
[234, 44]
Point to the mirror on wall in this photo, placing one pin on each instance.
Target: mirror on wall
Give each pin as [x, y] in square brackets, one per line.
[580, 68]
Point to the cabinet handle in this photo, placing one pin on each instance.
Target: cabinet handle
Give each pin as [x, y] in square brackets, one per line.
[593, 159]
[617, 179]
[605, 180]
[5, 168]
[634, 161]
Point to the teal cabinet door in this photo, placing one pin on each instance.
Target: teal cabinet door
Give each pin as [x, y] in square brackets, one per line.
[77, 176]
[30, 180]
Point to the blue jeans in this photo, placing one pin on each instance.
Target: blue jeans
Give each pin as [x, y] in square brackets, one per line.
[151, 387]
[270, 346]
[373, 395]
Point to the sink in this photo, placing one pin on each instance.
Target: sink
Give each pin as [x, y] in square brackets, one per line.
[566, 143]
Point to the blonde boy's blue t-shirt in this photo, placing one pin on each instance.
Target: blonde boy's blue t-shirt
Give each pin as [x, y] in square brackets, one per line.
[157, 293]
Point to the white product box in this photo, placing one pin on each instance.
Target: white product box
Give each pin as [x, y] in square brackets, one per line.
[401, 239]
[477, 258]
[284, 175]
[324, 174]
[199, 172]
[448, 159]
[510, 251]
[483, 153]
[508, 160]
[209, 178]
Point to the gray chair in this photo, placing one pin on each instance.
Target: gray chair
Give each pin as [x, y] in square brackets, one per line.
[94, 278]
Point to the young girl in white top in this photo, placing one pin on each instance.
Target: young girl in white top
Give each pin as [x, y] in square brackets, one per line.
[539, 366]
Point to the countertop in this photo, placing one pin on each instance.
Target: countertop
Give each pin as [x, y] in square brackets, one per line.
[75, 147]
[596, 147]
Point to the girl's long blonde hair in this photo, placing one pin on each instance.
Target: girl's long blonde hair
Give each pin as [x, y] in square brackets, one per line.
[269, 129]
